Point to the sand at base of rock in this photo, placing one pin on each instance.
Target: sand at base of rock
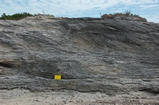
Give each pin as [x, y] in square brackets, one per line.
[69, 97]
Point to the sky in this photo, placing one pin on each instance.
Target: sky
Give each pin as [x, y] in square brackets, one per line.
[82, 8]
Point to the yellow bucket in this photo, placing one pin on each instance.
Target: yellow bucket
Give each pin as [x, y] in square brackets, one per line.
[57, 77]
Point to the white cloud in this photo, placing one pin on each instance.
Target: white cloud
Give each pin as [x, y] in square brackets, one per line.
[68, 7]
[148, 6]
[135, 2]
[153, 18]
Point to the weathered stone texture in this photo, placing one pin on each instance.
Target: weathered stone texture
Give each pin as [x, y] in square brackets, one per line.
[114, 56]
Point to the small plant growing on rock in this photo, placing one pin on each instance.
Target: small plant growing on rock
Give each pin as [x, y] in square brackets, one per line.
[127, 13]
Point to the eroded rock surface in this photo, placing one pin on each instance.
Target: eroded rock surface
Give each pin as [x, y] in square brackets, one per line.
[114, 56]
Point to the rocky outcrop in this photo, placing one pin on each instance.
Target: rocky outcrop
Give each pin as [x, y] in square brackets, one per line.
[126, 16]
[111, 55]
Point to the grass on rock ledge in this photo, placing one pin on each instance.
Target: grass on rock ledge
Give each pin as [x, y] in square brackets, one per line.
[125, 14]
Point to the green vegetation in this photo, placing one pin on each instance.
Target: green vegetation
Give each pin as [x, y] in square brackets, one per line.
[128, 13]
[125, 14]
[19, 16]
[16, 16]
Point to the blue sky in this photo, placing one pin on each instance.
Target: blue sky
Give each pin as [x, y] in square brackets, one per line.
[82, 8]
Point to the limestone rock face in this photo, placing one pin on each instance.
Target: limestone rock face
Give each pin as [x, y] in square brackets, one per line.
[114, 56]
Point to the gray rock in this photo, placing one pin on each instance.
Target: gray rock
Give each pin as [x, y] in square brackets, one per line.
[114, 56]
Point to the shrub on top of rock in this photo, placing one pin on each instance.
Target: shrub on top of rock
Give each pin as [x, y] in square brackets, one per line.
[16, 16]
[125, 14]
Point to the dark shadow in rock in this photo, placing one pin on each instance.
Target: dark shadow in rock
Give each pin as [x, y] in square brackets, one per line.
[5, 64]
[154, 91]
